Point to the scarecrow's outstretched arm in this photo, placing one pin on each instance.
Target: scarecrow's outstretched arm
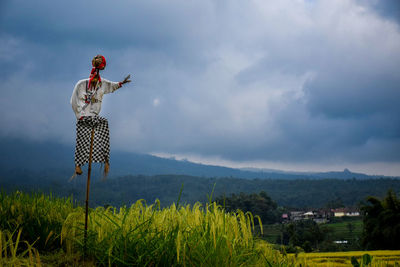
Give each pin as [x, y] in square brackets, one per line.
[126, 80]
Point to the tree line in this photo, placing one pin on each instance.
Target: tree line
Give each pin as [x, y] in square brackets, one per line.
[125, 190]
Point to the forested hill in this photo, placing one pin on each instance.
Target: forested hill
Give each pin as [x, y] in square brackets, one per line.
[58, 159]
[127, 189]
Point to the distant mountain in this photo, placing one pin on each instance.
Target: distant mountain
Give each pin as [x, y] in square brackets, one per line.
[345, 174]
[52, 157]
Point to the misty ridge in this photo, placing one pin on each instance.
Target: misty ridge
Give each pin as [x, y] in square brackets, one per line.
[53, 157]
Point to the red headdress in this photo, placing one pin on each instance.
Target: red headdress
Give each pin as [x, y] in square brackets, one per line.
[96, 67]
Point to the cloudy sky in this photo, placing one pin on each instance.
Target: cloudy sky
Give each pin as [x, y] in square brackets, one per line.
[293, 85]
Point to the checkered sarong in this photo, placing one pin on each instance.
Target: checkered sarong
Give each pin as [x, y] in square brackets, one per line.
[101, 141]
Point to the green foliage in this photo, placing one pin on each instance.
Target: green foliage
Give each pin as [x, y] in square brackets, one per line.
[260, 204]
[382, 222]
[355, 262]
[334, 204]
[11, 253]
[39, 216]
[366, 260]
[305, 234]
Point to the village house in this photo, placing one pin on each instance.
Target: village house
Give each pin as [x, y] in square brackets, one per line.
[341, 212]
[322, 216]
[296, 216]
[319, 216]
[285, 218]
[308, 215]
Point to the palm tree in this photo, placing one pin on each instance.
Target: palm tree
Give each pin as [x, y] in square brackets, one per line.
[382, 222]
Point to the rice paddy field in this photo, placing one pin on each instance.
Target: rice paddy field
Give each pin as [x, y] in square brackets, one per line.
[338, 230]
[42, 230]
[377, 258]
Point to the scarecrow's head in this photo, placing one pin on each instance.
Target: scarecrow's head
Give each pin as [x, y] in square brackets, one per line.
[99, 62]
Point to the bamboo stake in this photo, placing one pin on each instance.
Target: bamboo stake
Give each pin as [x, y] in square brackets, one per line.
[87, 190]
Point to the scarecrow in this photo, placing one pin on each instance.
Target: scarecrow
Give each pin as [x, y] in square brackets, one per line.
[92, 133]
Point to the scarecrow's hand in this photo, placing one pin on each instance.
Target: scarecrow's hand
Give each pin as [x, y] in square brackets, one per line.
[126, 80]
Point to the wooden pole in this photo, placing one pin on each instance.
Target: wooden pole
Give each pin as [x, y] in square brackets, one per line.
[87, 190]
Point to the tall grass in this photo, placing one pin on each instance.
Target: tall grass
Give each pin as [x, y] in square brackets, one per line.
[140, 235]
[39, 216]
[143, 235]
[10, 253]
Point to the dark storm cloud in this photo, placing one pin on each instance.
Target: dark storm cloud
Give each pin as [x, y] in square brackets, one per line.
[303, 81]
[61, 34]
[386, 8]
[342, 94]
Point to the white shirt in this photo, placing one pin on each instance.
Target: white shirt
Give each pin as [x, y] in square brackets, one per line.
[81, 95]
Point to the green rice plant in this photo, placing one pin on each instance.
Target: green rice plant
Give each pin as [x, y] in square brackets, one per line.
[349, 258]
[143, 235]
[140, 235]
[9, 247]
[40, 216]
[147, 235]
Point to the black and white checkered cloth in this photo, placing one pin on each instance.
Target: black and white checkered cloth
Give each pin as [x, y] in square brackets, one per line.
[101, 141]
